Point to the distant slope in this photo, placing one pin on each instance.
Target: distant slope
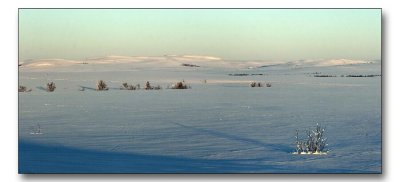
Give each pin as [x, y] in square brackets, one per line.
[168, 61]
[318, 63]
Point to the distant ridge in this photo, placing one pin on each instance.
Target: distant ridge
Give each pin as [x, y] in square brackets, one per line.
[179, 60]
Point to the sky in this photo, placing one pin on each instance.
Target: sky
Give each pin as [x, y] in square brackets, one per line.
[232, 34]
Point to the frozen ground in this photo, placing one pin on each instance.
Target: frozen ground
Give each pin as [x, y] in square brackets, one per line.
[222, 126]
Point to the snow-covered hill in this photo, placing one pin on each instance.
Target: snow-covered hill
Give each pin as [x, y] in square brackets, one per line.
[173, 61]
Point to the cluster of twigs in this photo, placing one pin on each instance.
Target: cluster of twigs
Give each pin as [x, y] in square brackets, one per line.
[315, 141]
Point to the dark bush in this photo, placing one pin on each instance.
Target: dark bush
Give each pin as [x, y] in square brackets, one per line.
[101, 85]
[51, 87]
[125, 86]
[324, 75]
[180, 85]
[190, 65]
[23, 89]
[148, 86]
[259, 84]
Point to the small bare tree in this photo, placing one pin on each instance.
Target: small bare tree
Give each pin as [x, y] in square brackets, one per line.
[51, 87]
[315, 141]
[101, 85]
[148, 86]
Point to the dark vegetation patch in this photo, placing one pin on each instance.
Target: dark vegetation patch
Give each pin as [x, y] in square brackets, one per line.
[51, 87]
[246, 74]
[23, 89]
[180, 85]
[101, 85]
[324, 75]
[126, 86]
[148, 86]
[190, 65]
[361, 75]
[259, 84]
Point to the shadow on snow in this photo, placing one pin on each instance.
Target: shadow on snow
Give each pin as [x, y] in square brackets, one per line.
[268, 146]
[37, 158]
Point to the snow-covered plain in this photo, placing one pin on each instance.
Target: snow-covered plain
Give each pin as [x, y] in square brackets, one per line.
[219, 126]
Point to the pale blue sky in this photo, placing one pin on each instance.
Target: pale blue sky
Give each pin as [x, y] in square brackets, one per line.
[238, 34]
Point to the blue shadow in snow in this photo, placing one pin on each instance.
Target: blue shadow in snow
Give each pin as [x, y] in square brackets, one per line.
[269, 146]
[45, 159]
[94, 89]
[37, 158]
[89, 88]
[41, 88]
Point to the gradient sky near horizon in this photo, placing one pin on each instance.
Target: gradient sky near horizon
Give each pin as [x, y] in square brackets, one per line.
[236, 34]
